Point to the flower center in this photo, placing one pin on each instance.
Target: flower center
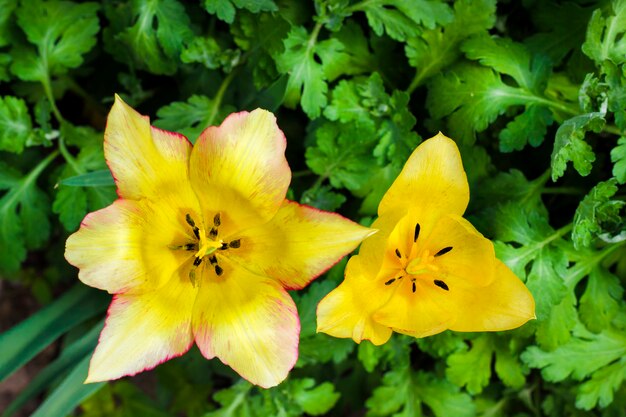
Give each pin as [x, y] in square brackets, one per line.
[421, 263]
[206, 245]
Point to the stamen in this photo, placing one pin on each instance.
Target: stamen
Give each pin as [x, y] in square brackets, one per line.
[189, 220]
[417, 232]
[398, 254]
[444, 251]
[213, 232]
[196, 232]
[217, 220]
[235, 243]
[213, 260]
[413, 287]
[218, 270]
[190, 246]
[441, 285]
[197, 261]
[224, 246]
[391, 281]
[192, 277]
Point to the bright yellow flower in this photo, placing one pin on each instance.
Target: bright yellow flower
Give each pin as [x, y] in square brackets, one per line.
[427, 269]
[201, 247]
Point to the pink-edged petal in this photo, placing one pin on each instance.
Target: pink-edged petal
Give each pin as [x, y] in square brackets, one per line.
[297, 245]
[432, 182]
[127, 246]
[146, 162]
[249, 322]
[144, 330]
[239, 169]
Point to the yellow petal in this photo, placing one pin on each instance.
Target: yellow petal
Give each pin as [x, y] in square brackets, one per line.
[347, 310]
[297, 245]
[239, 168]
[125, 246]
[423, 312]
[146, 162]
[503, 305]
[249, 322]
[144, 330]
[471, 256]
[432, 181]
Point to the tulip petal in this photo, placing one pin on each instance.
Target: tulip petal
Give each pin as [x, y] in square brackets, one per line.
[432, 181]
[346, 311]
[249, 322]
[503, 305]
[125, 246]
[144, 330]
[298, 244]
[239, 169]
[146, 162]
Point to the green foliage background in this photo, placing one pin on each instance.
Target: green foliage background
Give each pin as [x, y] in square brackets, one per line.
[534, 93]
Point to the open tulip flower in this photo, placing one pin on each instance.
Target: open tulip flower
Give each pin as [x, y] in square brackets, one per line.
[427, 269]
[202, 246]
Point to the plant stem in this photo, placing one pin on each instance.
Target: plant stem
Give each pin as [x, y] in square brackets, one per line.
[564, 190]
[30, 178]
[217, 100]
[48, 90]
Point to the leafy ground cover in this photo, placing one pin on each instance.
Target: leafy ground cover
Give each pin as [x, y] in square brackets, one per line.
[534, 93]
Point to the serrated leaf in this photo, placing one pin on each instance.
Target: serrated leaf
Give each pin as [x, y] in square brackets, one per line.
[402, 19]
[597, 213]
[226, 9]
[323, 198]
[314, 400]
[15, 124]
[156, 38]
[437, 48]
[618, 157]
[569, 144]
[6, 10]
[601, 300]
[62, 31]
[605, 35]
[472, 367]
[529, 127]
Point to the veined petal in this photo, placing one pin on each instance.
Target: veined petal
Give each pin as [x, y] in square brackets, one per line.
[432, 181]
[126, 246]
[240, 168]
[418, 313]
[146, 162]
[347, 310]
[144, 330]
[249, 322]
[503, 305]
[470, 256]
[298, 244]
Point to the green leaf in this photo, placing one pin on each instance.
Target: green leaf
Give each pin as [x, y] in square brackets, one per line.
[569, 144]
[101, 178]
[235, 401]
[601, 300]
[472, 367]
[529, 127]
[314, 400]
[63, 32]
[156, 39]
[323, 198]
[438, 48]
[605, 35]
[70, 355]
[24, 212]
[404, 393]
[6, 10]
[226, 9]
[15, 124]
[597, 213]
[599, 356]
[208, 52]
[23, 341]
[618, 157]
[70, 393]
[307, 82]
[349, 55]
[402, 19]
[343, 153]
[473, 97]
[191, 117]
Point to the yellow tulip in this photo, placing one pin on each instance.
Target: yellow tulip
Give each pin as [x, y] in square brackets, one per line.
[202, 246]
[427, 269]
